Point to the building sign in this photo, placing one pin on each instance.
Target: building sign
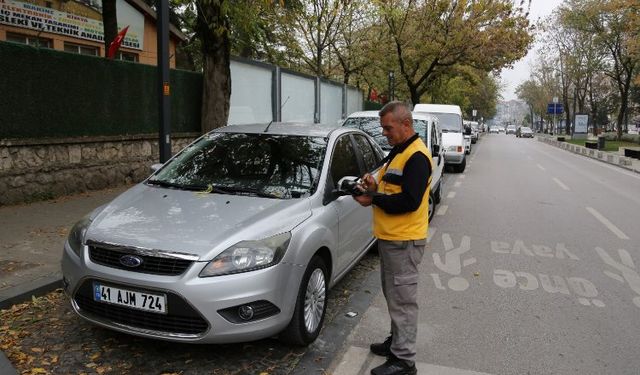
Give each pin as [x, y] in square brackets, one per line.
[48, 20]
[582, 121]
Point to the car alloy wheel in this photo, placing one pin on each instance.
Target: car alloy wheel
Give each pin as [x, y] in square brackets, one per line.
[314, 300]
[311, 305]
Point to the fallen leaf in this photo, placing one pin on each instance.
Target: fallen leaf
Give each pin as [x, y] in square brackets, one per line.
[38, 370]
[94, 356]
[91, 365]
[37, 350]
[476, 274]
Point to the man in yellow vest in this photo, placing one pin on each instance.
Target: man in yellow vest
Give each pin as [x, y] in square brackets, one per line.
[399, 195]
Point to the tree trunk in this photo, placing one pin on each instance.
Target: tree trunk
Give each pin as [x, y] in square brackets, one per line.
[110, 22]
[213, 26]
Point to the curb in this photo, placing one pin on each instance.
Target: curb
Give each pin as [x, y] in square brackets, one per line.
[6, 368]
[22, 293]
[323, 354]
[623, 162]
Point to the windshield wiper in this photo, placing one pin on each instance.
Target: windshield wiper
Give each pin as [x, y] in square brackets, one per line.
[445, 130]
[237, 189]
[176, 186]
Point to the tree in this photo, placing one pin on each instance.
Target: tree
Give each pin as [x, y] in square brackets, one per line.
[609, 20]
[430, 38]
[109, 23]
[212, 27]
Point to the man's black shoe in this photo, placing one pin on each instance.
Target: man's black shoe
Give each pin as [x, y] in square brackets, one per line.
[382, 349]
[395, 366]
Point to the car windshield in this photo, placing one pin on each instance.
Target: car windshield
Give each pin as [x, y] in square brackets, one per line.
[268, 165]
[371, 126]
[525, 129]
[450, 122]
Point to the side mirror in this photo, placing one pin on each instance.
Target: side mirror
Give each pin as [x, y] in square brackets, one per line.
[155, 167]
[347, 185]
[331, 193]
[435, 149]
[467, 131]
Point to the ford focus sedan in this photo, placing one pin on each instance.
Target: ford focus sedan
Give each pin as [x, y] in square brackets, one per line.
[236, 238]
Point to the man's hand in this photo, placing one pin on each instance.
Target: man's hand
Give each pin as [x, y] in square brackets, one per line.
[368, 185]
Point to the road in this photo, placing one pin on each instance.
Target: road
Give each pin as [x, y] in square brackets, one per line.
[533, 268]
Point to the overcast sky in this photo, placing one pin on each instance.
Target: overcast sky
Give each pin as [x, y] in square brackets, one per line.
[511, 78]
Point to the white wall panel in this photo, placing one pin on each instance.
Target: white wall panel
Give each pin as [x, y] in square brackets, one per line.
[298, 98]
[330, 103]
[250, 94]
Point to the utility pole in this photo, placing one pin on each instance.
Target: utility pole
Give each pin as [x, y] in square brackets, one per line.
[164, 103]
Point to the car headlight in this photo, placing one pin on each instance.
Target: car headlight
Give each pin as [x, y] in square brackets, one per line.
[248, 256]
[76, 236]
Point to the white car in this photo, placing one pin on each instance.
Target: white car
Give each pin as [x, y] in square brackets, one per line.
[426, 126]
[453, 142]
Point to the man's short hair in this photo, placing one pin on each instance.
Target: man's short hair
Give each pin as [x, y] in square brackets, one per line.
[400, 110]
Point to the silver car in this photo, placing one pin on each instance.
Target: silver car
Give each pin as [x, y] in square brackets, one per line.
[236, 238]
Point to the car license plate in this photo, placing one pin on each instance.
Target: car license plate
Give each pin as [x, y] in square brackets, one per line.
[156, 303]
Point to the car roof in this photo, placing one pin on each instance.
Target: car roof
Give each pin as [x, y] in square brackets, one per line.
[365, 114]
[282, 128]
[438, 108]
[416, 115]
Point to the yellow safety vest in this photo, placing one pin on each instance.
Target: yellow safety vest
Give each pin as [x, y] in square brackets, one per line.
[410, 225]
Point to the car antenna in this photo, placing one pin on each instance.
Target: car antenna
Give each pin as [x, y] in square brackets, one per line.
[271, 122]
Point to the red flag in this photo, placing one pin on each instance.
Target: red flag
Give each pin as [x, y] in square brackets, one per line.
[117, 41]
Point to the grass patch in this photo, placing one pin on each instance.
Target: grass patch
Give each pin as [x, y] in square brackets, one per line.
[611, 146]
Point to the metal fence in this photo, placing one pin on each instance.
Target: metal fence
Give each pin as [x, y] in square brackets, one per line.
[262, 92]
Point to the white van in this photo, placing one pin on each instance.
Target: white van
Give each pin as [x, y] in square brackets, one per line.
[453, 142]
[427, 128]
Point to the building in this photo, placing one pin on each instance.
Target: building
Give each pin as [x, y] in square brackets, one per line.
[75, 26]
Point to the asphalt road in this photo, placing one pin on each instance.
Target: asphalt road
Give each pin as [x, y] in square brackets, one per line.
[535, 265]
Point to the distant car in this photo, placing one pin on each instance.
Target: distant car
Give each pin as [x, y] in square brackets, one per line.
[494, 130]
[450, 120]
[526, 132]
[501, 129]
[429, 130]
[511, 129]
[236, 238]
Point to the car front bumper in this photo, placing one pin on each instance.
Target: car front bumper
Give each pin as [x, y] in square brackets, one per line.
[194, 303]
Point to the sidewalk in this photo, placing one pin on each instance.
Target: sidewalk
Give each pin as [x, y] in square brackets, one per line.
[32, 237]
[613, 158]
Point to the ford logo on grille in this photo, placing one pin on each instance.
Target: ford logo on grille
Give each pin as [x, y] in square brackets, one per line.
[130, 261]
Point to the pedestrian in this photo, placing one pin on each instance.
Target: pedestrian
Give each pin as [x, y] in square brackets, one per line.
[399, 195]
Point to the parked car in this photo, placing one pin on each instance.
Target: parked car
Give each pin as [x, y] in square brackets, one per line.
[494, 130]
[236, 238]
[511, 129]
[429, 130]
[525, 132]
[450, 120]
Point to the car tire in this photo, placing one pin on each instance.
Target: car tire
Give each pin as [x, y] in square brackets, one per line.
[438, 194]
[460, 167]
[311, 306]
[432, 206]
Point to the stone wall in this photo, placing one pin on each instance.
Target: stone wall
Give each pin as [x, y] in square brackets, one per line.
[37, 169]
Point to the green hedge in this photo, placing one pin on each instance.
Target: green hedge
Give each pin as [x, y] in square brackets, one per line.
[47, 93]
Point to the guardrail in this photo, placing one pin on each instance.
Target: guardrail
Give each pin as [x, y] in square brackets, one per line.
[604, 156]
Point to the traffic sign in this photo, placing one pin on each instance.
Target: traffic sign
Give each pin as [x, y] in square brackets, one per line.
[555, 108]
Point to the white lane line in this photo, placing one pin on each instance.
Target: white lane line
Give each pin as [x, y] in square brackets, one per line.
[541, 167]
[442, 210]
[607, 223]
[356, 360]
[457, 184]
[565, 187]
[451, 195]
